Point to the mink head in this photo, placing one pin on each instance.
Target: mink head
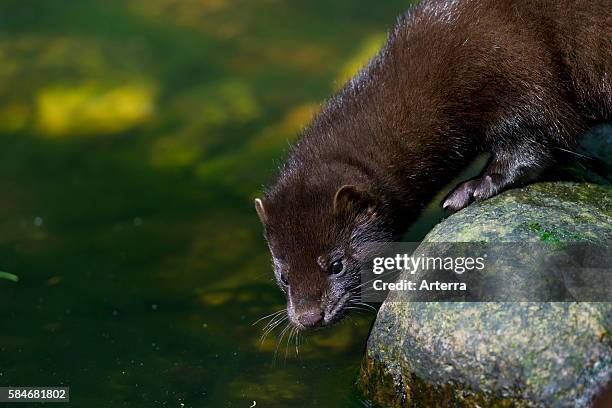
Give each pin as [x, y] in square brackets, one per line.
[317, 235]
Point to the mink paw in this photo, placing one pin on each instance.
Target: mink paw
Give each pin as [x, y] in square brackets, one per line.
[477, 189]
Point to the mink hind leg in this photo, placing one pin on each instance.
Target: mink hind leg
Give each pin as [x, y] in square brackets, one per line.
[507, 168]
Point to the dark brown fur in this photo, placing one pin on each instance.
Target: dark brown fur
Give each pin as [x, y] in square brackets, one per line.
[517, 79]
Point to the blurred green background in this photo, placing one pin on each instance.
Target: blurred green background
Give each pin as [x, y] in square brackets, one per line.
[134, 136]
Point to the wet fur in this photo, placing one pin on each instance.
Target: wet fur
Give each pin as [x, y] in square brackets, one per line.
[516, 79]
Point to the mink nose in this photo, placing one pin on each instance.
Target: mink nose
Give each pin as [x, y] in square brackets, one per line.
[310, 318]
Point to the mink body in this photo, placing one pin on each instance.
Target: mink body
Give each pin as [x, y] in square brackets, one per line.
[520, 80]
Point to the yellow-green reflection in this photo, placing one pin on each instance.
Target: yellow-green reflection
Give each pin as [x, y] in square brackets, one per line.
[93, 108]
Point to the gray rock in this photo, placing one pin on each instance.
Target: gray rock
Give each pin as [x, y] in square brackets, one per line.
[498, 354]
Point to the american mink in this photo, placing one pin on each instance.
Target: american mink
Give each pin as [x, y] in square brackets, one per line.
[456, 78]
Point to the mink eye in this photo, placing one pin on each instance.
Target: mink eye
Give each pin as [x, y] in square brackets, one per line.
[336, 267]
[284, 279]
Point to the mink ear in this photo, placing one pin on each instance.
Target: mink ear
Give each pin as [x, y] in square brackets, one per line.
[261, 211]
[351, 198]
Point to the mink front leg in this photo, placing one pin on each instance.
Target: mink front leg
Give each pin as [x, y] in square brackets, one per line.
[506, 169]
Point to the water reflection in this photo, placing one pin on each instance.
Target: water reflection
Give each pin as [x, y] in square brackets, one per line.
[134, 137]
[93, 108]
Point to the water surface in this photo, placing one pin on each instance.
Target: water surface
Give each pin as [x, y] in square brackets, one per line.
[134, 136]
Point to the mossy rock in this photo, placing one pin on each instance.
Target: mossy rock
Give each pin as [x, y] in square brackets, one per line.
[540, 212]
[499, 354]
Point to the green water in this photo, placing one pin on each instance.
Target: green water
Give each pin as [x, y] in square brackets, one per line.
[134, 136]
